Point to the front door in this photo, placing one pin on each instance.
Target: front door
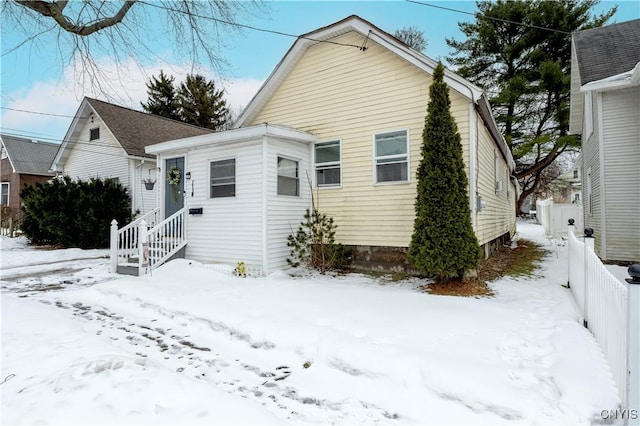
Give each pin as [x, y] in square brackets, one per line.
[174, 185]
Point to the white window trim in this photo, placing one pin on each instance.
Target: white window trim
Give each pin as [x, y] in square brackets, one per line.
[299, 162]
[8, 193]
[588, 116]
[235, 182]
[375, 170]
[315, 183]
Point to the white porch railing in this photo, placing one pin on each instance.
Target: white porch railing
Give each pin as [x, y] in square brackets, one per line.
[603, 301]
[124, 243]
[146, 243]
[165, 239]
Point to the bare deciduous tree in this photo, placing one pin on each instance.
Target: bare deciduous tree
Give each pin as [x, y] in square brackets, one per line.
[412, 37]
[83, 32]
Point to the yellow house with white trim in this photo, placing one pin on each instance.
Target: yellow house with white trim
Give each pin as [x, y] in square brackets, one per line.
[357, 97]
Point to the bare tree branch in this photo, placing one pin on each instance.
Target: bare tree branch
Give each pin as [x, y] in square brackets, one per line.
[54, 10]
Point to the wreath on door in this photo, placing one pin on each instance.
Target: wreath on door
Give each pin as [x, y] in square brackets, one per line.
[173, 177]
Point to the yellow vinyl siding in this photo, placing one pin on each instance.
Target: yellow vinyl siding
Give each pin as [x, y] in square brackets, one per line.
[338, 92]
[498, 217]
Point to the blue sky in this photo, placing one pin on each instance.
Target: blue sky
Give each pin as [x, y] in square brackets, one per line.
[34, 79]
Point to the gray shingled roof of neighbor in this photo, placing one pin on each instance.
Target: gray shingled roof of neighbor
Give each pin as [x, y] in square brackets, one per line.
[28, 156]
[135, 129]
[607, 51]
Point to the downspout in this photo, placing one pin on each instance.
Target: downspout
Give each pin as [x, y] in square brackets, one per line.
[473, 140]
[265, 176]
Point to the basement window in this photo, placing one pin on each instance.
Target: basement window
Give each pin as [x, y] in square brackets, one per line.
[94, 134]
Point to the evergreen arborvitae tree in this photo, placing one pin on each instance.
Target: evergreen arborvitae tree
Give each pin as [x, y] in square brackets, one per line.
[443, 242]
[201, 104]
[162, 97]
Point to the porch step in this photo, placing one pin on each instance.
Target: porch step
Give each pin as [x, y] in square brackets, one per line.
[128, 269]
[131, 267]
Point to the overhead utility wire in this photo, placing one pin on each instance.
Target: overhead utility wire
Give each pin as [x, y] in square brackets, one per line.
[479, 15]
[235, 24]
[41, 113]
[58, 140]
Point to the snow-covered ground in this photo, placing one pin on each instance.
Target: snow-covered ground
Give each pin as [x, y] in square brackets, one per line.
[189, 345]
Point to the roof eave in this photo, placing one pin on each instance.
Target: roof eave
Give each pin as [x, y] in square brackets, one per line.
[627, 79]
[233, 135]
[61, 156]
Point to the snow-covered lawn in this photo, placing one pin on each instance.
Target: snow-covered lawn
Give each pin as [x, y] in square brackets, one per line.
[192, 346]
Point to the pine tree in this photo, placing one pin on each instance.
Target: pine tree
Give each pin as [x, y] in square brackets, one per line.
[162, 97]
[443, 243]
[525, 70]
[201, 104]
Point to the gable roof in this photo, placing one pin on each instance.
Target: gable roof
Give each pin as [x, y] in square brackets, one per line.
[29, 156]
[607, 51]
[134, 130]
[370, 32]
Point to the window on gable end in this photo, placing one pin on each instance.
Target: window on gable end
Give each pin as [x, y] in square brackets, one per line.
[327, 161]
[94, 134]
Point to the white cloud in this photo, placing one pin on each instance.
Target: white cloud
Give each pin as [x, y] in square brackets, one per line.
[122, 84]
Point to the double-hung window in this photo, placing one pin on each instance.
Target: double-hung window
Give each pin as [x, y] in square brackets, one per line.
[4, 199]
[223, 178]
[392, 157]
[288, 177]
[327, 158]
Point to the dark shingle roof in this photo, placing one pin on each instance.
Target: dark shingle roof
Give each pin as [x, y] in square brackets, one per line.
[28, 156]
[135, 130]
[607, 51]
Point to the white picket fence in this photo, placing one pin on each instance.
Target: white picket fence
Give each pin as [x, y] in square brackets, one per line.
[553, 217]
[603, 303]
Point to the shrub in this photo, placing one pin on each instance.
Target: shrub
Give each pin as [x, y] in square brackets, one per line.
[314, 246]
[74, 213]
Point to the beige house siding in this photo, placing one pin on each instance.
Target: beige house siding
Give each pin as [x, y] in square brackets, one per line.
[495, 188]
[591, 178]
[621, 129]
[338, 92]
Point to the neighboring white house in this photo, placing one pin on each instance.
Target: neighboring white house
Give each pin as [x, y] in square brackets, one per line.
[605, 110]
[345, 110]
[108, 141]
